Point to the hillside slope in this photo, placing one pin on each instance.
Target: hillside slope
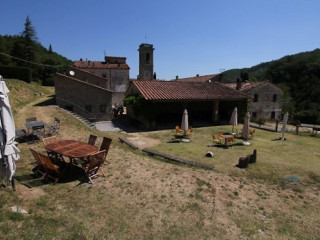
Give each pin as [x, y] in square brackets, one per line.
[299, 77]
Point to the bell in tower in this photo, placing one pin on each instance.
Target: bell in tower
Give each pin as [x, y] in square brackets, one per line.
[146, 61]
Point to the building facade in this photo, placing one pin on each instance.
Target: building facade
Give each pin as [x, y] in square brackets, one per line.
[88, 100]
[266, 99]
[114, 70]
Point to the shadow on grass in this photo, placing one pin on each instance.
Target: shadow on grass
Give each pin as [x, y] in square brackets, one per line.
[75, 173]
[226, 146]
[50, 101]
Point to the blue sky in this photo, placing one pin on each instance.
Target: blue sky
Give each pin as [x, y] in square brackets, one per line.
[189, 37]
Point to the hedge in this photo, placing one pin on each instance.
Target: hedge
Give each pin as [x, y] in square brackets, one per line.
[22, 73]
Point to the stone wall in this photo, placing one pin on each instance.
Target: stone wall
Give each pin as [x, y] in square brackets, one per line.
[268, 104]
[88, 77]
[89, 101]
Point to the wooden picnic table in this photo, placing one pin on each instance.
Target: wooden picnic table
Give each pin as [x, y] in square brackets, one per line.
[72, 148]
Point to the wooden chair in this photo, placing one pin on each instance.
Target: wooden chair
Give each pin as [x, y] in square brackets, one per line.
[94, 164]
[216, 140]
[53, 155]
[92, 139]
[41, 168]
[54, 171]
[105, 145]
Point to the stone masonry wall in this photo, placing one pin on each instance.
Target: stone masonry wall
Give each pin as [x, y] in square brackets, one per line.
[265, 105]
[91, 102]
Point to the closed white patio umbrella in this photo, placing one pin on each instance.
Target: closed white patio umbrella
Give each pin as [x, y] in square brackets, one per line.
[9, 153]
[185, 122]
[234, 118]
[245, 130]
[284, 125]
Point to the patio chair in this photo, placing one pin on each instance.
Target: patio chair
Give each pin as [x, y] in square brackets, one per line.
[230, 141]
[41, 167]
[216, 140]
[54, 171]
[105, 145]
[37, 133]
[92, 139]
[31, 119]
[251, 133]
[94, 164]
[54, 129]
[21, 135]
[178, 130]
[53, 155]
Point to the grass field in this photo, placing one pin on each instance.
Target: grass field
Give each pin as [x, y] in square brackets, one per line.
[147, 198]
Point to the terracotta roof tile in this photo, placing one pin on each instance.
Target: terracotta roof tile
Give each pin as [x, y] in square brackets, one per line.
[97, 64]
[175, 90]
[246, 86]
[203, 78]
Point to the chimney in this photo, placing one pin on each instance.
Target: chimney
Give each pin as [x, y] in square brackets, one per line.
[238, 84]
[177, 77]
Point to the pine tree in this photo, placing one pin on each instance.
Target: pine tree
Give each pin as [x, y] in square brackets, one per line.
[30, 39]
[50, 49]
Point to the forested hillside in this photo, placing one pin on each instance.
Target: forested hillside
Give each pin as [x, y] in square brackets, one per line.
[299, 77]
[22, 53]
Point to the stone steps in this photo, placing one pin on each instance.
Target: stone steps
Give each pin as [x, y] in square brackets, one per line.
[83, 120]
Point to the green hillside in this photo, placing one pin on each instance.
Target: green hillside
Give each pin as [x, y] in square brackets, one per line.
[47, 61]
[299, 77]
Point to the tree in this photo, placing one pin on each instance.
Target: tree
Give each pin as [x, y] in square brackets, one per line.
[50, 49]
[30, 39]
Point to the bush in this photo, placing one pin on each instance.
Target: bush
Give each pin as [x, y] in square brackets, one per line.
[22, 73]
[48, 82]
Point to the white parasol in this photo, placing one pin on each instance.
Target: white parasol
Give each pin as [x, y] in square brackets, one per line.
[234, 118]
[245, 130]
[185, 122]
[9, 153]
[284, 125]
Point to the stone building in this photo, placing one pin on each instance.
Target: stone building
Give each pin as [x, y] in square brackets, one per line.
[114, 70]
[90, 101]
[266, 99]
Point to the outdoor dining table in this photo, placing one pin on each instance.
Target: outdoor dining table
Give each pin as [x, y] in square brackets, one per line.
[31, 125]
[226, 136]
[72, 149]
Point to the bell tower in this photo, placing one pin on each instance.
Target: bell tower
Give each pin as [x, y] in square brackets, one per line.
[145, 61]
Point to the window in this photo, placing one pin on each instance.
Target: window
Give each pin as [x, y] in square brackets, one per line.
[88, 108]
[274, 99]
[273, 115]
[255, 97]
[103, 108]
[254, 114]
[148, 58]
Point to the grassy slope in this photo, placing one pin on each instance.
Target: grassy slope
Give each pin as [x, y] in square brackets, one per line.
[142, 198]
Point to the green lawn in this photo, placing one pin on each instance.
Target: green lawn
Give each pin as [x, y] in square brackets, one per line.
[297, 156]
